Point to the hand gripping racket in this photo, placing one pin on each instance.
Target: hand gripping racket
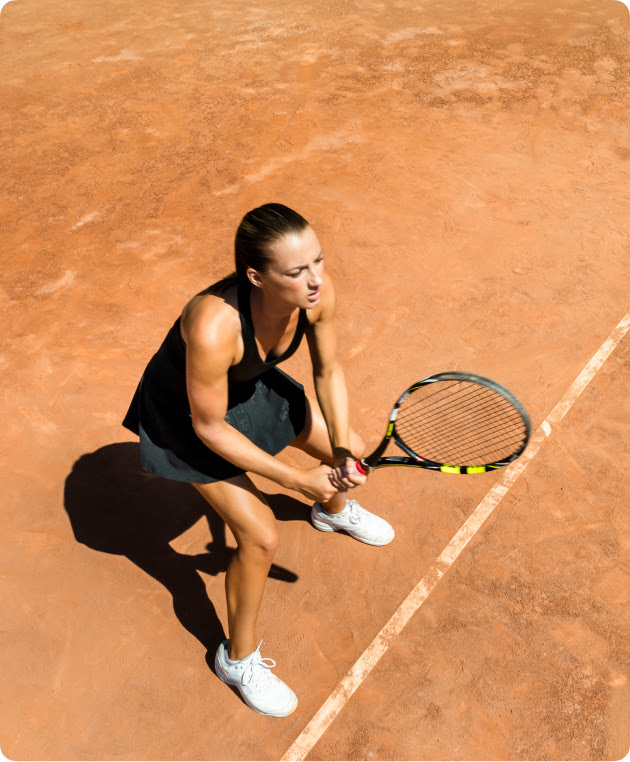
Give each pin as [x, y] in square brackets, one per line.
[457, 423]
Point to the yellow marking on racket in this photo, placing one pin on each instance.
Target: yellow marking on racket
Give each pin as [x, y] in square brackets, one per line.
[390, 428]
[450, 469]
[476, 469]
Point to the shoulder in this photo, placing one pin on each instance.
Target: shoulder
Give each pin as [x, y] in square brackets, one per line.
[209, 320]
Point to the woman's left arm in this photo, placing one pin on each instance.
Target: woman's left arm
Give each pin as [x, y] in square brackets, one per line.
[330, 387]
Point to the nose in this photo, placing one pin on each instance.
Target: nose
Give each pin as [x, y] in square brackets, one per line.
[314, 278]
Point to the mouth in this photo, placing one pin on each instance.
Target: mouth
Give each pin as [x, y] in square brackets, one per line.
[314, 296]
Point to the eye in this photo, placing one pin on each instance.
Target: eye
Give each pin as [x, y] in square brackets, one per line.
[294, 275]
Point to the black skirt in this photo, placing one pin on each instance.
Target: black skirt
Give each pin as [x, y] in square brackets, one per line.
[269, 410]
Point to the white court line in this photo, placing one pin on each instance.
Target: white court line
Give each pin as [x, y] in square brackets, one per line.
[372, 654]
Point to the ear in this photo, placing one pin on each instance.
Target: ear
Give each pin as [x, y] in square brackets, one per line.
[254, 277]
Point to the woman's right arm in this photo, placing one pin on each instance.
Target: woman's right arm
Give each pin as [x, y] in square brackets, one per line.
[212, 336]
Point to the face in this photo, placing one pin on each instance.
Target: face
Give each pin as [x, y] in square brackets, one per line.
[295, 274]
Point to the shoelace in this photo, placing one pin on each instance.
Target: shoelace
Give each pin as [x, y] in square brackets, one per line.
[257, 674]
[355, 513]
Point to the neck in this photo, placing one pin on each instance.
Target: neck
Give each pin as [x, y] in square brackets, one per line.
[268, 310]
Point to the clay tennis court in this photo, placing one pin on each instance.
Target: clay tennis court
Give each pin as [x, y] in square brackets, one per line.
[465, 166]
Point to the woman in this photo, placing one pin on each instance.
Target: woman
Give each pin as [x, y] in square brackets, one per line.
[212, 406]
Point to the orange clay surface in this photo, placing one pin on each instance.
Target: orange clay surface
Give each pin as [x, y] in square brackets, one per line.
[466, 167]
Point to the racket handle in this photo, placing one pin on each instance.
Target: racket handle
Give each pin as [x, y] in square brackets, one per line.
[358, 465]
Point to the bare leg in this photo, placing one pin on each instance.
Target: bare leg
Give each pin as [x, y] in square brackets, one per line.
[336, 504]
[315, 441]
[253, 525]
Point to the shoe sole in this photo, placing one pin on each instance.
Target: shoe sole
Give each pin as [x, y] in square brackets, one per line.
[228, 681]
[327, 528]
[321, 526]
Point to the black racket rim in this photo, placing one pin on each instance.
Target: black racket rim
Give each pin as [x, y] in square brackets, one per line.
[417, 461]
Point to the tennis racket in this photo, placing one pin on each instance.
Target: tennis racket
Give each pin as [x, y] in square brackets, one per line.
[457, 423]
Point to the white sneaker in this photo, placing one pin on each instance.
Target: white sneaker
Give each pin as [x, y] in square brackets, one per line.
[260, 688]
[356, 521]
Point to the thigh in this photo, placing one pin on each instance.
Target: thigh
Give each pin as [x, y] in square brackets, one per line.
[243, 508]
[314, 438]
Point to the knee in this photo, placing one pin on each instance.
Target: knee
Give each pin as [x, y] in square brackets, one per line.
[262, 542]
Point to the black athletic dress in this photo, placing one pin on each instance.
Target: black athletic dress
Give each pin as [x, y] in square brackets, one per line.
[264, 404]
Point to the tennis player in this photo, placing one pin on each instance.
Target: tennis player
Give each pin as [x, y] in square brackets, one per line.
[212, 406]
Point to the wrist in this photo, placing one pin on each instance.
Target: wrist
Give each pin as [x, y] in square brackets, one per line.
[292, 478]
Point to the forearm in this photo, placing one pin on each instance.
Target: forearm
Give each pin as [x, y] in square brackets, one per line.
[236, 448]
[332, 396]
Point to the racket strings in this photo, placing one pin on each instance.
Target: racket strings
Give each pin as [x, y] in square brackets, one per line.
[476, 454]
[471, 414]
[491, 435]
[471, 410]
[455, 405]
[462, 431]
[468, 452]
[461, 423]
[459, 400]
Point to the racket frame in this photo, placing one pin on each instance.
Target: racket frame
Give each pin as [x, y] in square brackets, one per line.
[374, 460]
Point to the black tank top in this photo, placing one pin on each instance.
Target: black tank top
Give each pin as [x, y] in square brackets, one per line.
[173, 350]
[160, 406]
[252, 364]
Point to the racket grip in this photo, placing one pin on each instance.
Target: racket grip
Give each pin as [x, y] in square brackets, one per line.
[360, 468]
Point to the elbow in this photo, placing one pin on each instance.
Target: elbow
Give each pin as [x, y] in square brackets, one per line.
[328, 373]
[208, 431]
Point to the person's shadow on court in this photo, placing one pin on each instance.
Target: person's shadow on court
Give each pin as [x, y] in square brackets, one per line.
[115, 507]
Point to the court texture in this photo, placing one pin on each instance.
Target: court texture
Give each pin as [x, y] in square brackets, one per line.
[466, 167]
